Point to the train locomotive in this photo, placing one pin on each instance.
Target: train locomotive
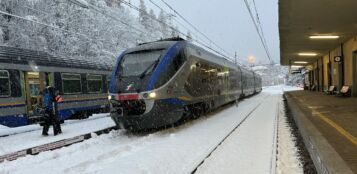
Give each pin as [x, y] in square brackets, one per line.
[159, 83]
[24, 73]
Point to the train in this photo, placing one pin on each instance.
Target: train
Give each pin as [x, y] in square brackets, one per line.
[24, 73]
[159, 83]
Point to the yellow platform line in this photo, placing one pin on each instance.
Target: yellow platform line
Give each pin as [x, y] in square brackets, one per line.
[339, 129]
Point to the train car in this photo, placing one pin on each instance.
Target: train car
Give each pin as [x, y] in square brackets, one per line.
[24, 73]
[156, 84]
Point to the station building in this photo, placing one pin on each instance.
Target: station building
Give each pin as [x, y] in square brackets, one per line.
[320, 36]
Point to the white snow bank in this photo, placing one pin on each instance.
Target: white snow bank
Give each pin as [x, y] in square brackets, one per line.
[17, 130]
[175, 151]
[280, 89]
[34, 138]
[288, 157]
[3, 127]
[178, 150]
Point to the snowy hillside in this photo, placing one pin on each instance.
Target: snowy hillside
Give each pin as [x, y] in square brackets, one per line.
[86, 29]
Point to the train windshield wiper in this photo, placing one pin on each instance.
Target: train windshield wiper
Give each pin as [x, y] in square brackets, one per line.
[153, 65]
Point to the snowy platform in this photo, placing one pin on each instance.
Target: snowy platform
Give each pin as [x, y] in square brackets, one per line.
[230, 140]
[328, 126]
[30, 136]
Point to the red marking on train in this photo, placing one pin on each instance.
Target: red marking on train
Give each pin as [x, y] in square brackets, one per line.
[128, 97]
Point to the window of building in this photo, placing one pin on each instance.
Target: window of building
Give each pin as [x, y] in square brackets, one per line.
[71, 83]
[4, 83]
[94, 83]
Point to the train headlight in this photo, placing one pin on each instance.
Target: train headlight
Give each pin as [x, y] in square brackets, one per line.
[109, 97]
[152, 94]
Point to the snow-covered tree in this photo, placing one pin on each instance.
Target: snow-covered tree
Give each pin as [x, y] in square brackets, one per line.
[144, 17]
[164, 28]
[67, 29]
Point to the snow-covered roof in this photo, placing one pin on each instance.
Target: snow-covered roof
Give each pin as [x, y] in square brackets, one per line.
[26, 56]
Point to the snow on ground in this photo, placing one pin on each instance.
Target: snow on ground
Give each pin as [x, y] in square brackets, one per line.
[22, 129]
[71, 129]
[251, 148]
[3, 127]
[288, 156]
[175, 150]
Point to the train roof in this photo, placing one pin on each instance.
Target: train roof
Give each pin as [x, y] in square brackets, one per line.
[151, 46]
[25, 56]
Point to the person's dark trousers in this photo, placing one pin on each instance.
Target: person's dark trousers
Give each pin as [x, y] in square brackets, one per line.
[46, 127]
[57, 127]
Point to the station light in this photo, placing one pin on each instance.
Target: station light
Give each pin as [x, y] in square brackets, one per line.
[301, 62]
[324, 37]
[307, 54]
[296, 66]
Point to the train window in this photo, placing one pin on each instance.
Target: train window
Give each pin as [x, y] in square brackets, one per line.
[4, 83]
[71, 83]
[137, 63]
[94, 83]
[173, 66]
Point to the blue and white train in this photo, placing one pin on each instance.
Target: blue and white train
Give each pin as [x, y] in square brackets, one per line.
[24, 73]
[159, 83]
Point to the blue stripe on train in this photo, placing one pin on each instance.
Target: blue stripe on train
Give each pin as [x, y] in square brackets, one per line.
[22, 120]
[14, 120]
[73, 101]
[66, 113]
[174, 101]
[163, 63]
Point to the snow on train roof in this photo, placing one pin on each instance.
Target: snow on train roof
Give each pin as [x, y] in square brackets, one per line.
[25, 56]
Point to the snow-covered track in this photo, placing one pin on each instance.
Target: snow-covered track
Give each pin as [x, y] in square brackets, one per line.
[229, 134]
[53, 145]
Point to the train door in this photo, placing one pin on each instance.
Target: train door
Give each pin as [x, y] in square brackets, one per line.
[35, 83]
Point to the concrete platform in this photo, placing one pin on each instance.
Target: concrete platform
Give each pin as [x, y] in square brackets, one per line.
[328, 125]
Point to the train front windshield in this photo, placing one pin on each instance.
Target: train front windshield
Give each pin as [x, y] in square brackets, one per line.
[139, 63]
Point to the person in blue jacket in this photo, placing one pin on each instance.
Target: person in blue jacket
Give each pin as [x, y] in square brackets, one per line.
[51, 118]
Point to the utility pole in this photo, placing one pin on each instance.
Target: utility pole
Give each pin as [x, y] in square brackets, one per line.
[235, 57]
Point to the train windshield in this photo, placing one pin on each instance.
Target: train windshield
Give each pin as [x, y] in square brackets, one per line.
[139, 63]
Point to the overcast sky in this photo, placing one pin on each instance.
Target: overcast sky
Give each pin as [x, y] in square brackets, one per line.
[228, 24]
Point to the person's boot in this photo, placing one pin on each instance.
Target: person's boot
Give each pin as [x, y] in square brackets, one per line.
[45, 130]
[55, 130]
[59, 128]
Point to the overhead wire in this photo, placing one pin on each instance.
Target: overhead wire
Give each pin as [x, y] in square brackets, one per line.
[101, 11]
[258, 31]
[194, 27]
[199, 40]
[177, 21]
[174, 29]
[261, 28]
[44, 24]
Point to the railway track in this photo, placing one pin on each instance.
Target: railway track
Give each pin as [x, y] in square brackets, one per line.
[77, 139]
[228, 135]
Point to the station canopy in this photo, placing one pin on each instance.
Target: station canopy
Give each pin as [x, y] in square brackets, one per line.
[331, 22]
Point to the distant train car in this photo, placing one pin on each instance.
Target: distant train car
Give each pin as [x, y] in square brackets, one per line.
[158, 83]
[24, 74]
